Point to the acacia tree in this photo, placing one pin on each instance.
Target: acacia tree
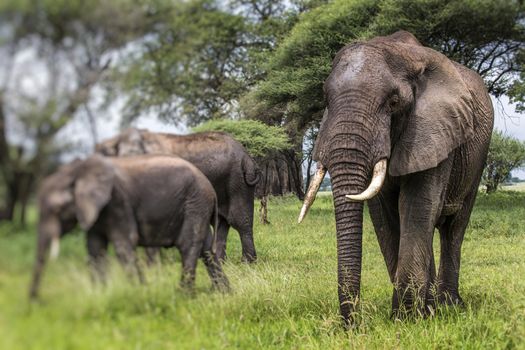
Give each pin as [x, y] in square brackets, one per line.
[505, 154]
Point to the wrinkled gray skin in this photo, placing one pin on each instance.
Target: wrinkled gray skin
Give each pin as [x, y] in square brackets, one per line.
[431, 118]
[224, 161]
[150, 201]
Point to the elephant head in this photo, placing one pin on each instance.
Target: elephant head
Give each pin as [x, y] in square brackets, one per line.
[394, 108]
[74, 194]
[129, 142]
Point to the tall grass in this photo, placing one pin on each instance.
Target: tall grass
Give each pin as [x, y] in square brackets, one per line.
[287, 300]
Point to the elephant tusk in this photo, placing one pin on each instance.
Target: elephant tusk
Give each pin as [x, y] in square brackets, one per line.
[375, 185]
[312, 191]
[55, 248]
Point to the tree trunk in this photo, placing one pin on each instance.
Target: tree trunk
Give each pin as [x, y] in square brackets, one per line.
[263, 211]
[8, 178]
[25, 187]
[8, 212]
[308, 170]
[280, 174]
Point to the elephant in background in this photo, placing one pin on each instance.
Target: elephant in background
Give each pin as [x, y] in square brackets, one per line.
[408, 130]
[224, 161]
[150, 201]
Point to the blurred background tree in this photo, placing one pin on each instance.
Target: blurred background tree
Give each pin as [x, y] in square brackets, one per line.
[505, 154]
[54, 54]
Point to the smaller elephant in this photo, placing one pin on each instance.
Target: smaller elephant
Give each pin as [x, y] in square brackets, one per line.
[150, 201]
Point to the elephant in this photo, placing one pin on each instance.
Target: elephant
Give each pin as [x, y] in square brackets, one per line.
[407, 130]
[150, 201]
[224, 161]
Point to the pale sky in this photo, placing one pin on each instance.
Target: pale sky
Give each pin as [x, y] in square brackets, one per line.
[510, 122]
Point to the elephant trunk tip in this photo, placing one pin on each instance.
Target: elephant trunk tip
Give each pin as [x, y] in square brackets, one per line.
[312, 191]
[378, 178]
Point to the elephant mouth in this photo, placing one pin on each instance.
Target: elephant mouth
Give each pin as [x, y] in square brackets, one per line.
[378, 178]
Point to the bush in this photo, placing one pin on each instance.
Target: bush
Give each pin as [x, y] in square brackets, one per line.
[505, 154]
[258, 138]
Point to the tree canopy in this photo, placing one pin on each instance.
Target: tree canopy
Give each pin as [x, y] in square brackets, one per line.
[259, 139]
[487, 36]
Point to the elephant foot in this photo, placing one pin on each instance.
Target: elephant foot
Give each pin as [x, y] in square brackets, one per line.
[450, 299]
[222, 287]
[409, 304]
[249, 259]
[222, 257]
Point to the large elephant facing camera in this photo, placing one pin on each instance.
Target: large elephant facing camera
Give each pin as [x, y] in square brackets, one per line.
[408, 130]
[224, 161]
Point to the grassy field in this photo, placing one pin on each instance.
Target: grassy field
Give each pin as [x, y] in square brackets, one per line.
[287, 300]
[515, 187]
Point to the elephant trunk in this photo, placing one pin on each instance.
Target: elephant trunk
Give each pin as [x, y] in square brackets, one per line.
[48, 239]
[349, 226]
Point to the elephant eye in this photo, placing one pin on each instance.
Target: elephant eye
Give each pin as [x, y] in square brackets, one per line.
[394, 101]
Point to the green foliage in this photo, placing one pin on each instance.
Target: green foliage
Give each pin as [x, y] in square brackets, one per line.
[301, 63]
[505, 154]
[485, 35]
[203, 55]
[259, 139]
[192, 67]
[287, 300]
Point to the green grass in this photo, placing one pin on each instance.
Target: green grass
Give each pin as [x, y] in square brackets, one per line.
[287, 300]
[515, 187]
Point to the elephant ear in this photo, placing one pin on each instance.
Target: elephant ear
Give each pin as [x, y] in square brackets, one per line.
[441, 119]
[93, 189]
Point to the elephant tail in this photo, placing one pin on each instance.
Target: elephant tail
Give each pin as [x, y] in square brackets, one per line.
[215, 223]
[251, 171]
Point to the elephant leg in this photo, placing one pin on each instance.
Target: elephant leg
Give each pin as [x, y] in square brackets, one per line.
[190, 246]
[97, 245]
[125, 252]
[213, 265]
[452, 232]
[249, 254]
[241, 218]
[385, 217]
[152, 255]
[420, 201]
[243, 223]
[222, 237]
